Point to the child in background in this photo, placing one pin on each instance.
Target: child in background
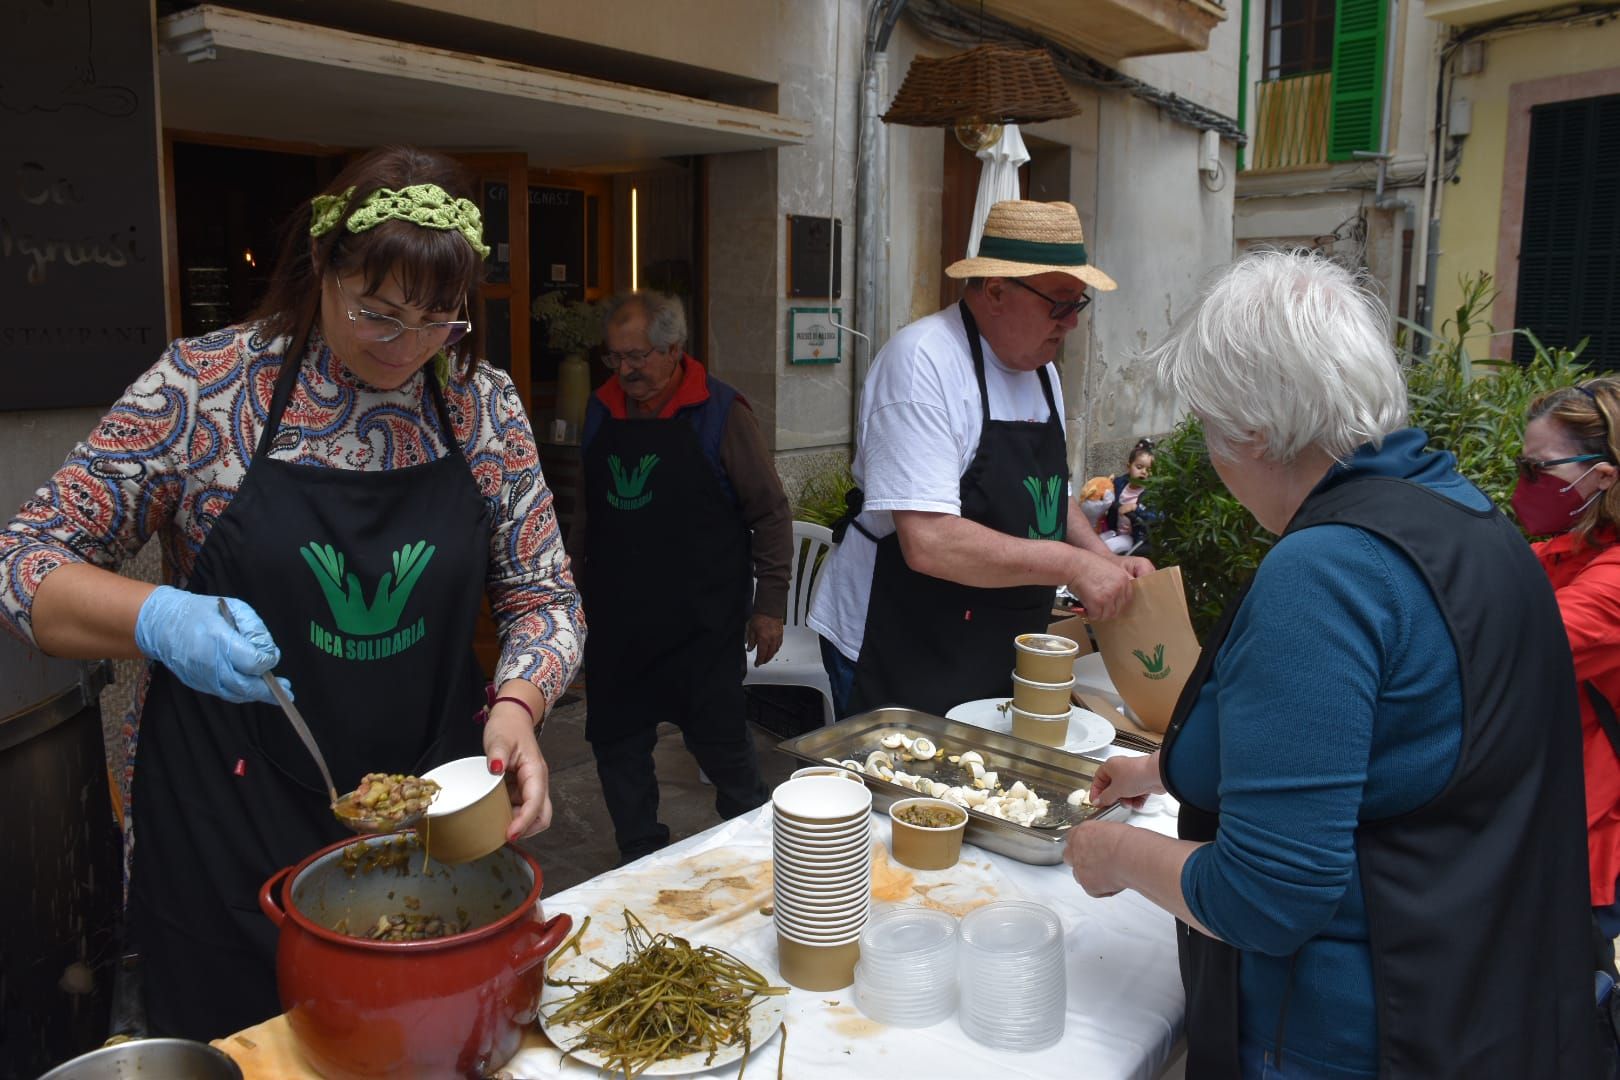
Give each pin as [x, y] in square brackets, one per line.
[1126, 519]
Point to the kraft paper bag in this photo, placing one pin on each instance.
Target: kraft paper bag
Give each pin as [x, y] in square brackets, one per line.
[1150, 649]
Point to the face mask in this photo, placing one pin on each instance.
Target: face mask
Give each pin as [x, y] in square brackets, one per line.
[1547, 506]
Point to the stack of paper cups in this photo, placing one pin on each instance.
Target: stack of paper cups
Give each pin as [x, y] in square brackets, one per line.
[822, 840]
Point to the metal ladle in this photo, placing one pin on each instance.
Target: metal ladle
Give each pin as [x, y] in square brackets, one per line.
[344, 807]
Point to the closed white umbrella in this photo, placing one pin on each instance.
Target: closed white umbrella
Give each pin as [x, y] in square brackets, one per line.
[998, 179]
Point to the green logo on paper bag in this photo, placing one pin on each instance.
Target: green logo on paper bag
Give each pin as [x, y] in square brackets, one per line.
[1048, 505]
[1152, 666]
[628, 493]
[366, 631]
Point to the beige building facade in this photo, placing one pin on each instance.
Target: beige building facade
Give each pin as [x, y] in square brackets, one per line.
[700, 148]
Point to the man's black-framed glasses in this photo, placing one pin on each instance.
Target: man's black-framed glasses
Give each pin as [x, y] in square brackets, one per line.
[636, 357]
[1529, 468]
[372, 326]
[1061, 309]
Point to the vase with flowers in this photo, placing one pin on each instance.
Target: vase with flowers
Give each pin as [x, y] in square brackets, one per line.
[573, 327]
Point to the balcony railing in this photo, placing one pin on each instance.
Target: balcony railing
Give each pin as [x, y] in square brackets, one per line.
[1291, 122]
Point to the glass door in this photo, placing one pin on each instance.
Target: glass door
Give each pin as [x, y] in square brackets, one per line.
[500, 313]
[501, 309]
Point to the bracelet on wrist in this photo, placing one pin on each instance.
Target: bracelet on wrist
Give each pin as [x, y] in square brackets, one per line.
[524, 705]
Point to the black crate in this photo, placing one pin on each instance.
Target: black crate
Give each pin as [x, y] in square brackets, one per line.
[784, 711]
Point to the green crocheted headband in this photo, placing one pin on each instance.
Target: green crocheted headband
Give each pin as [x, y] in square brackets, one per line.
[428, 205]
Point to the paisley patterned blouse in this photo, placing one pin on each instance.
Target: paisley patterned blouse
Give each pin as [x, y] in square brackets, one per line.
[173, 451]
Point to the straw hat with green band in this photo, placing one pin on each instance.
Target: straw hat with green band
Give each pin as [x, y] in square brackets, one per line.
[1024, 238]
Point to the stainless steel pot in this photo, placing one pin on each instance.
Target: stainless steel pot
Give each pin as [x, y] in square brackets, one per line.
[172, 1059]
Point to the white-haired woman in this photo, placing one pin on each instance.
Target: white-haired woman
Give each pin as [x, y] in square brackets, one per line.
[1381, 862]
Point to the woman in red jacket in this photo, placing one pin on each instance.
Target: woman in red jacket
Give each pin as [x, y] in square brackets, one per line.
[1567, 491]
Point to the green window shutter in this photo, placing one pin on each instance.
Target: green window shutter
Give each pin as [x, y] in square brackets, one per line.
[1358, 77]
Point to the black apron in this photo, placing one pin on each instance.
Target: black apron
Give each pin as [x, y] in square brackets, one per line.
[370, 583]
[668, 579]
[1506, 835]
[931, 644]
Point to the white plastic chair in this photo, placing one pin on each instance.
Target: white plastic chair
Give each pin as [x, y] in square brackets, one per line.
[798, 662]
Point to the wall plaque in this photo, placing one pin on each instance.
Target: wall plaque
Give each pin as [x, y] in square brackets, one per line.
[812, 241]
[812, 337]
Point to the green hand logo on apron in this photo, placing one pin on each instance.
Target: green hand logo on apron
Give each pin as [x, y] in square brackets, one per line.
[366, 631]
[628, 493]
[1048, 505]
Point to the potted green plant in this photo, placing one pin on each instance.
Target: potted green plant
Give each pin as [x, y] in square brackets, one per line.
[574, 327]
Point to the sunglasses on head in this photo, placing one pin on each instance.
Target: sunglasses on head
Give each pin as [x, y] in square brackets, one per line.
[1529, 468]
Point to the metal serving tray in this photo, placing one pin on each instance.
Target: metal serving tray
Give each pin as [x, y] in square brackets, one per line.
[1050, 773]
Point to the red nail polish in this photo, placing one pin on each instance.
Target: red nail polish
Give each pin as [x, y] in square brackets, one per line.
[241, 767]
[497, 766]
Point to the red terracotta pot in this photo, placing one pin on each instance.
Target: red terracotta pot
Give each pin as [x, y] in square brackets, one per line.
[445, 1007]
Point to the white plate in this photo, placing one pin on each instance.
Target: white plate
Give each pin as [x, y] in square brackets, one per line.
[1087, 730]
[764, 1018]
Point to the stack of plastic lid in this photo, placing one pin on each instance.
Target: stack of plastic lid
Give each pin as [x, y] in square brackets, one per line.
[822, 843]
[1013, 976]
[907, 973]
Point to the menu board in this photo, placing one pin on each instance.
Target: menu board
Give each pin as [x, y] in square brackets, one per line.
[81, 256]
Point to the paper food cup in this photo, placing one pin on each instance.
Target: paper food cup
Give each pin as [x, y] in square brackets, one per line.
[819, 967]
[1045, 658]
[827, 770]
[469, 817]
[927, 847]
[1045, 698]
[1047, 730]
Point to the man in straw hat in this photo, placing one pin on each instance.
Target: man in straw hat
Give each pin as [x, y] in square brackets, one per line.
[961, 523]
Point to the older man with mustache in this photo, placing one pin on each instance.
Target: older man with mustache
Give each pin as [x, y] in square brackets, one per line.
[684, 565]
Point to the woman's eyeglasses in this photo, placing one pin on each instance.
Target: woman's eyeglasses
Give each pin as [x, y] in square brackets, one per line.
[636, 357]
[370, 326]
[1061, 309]
[1529, 468]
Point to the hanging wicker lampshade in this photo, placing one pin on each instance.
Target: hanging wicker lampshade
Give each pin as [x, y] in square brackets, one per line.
[980, 90]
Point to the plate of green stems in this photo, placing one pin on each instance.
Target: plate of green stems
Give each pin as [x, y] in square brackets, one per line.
[654, 1004]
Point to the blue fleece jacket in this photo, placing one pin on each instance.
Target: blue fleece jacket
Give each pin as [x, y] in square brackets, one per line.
[1336, 698]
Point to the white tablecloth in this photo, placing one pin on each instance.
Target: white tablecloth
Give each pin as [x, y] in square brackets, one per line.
[1125, 999]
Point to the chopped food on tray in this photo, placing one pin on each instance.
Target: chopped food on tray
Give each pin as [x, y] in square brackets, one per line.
[981, 792]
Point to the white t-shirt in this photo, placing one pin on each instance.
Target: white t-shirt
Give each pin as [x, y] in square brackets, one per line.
[919, 429]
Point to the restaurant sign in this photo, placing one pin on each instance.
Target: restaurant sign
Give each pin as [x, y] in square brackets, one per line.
[81, 257]
[813, 337]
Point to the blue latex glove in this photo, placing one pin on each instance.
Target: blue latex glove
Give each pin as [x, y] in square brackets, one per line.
[186, 634]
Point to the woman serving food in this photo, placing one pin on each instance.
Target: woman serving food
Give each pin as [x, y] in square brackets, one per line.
[354, 483]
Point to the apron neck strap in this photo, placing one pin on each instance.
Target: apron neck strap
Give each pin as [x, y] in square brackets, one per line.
[971, 325]
[291, 361]
[447, 429]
